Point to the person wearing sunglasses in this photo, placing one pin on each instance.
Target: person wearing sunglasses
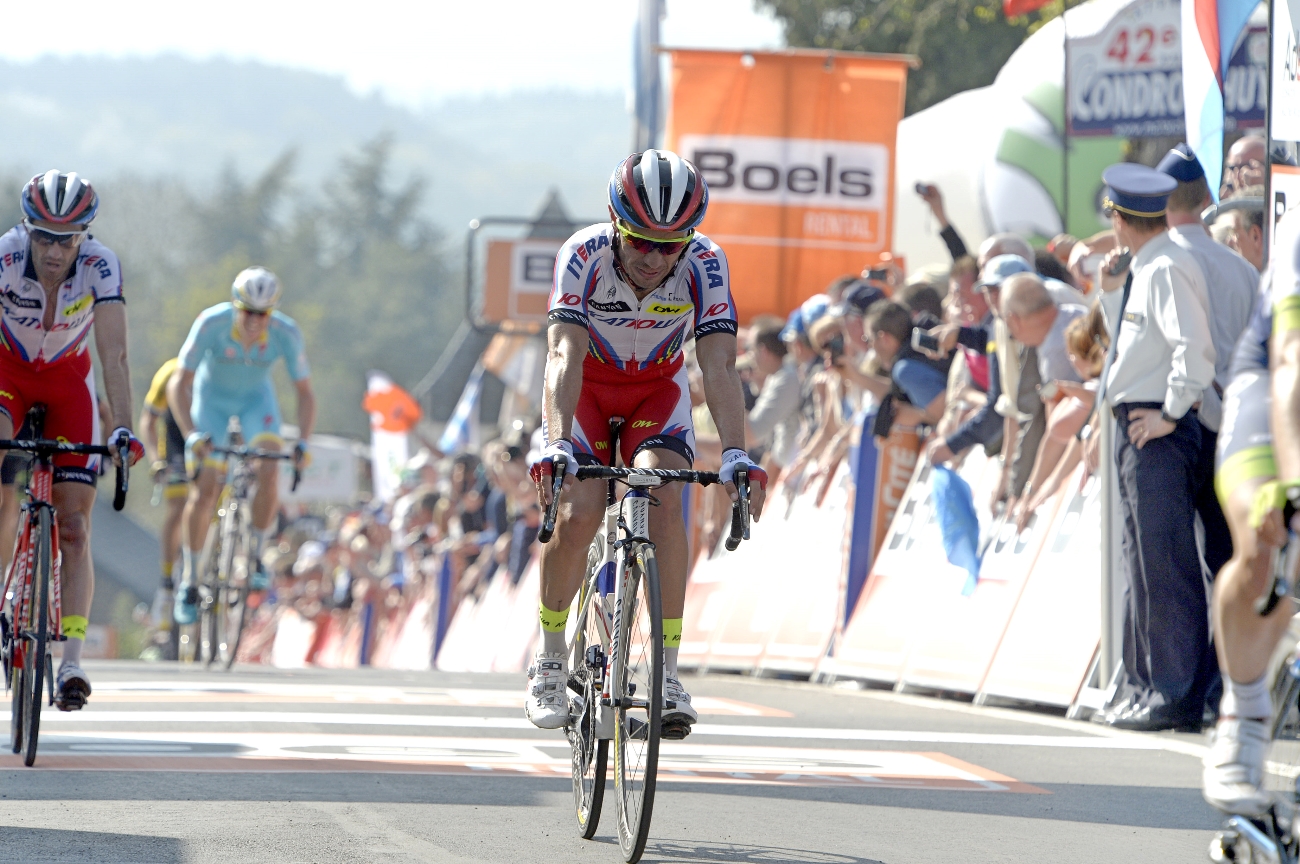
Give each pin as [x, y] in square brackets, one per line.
[628, 294]
[225, 372]
[57, 284]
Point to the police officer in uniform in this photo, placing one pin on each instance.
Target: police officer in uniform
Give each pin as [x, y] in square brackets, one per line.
[1160, 363]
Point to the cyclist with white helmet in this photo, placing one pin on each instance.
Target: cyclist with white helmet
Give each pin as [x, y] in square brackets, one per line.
[56, 284]
[225, 371]
[628, 294]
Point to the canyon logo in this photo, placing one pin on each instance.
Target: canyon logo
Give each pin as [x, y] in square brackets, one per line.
[798, 172]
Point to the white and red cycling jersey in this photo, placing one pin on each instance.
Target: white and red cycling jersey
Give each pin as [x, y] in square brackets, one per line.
[53, 366]
[96, 278]
[633, 366]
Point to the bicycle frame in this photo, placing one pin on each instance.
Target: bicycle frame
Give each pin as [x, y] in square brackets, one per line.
[23, 566]
[631, 517]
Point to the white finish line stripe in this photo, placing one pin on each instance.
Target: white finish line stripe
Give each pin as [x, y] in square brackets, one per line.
[91, 718]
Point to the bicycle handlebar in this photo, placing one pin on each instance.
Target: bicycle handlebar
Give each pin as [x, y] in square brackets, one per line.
[46, 448]
[739, 509]
[255, 453]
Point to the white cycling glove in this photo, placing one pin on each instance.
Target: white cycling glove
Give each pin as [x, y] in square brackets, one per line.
[733, 458]
[545, 464]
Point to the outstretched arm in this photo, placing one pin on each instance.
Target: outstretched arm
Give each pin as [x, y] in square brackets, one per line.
[110, 340]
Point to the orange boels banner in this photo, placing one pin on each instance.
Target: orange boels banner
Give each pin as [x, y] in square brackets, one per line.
[798, 152]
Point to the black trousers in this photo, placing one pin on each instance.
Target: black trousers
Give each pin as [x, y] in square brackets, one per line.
[1169, 660]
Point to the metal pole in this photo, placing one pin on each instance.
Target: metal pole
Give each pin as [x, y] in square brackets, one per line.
[1065, 122]
[1108, 654]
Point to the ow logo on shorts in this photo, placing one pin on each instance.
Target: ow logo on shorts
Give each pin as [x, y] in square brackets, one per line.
[644, 424]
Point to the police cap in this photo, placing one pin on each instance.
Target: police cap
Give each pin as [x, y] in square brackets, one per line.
[1181, 164]
[1136, 189]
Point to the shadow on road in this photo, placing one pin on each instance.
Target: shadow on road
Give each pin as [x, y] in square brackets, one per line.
[41, 845]
[680, 852]
[1135, 806]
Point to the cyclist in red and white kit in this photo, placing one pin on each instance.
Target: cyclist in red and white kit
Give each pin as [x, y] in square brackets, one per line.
[628, 295]
[56, 283]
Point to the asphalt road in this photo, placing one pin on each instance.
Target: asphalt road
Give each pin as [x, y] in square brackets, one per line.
[180, 765]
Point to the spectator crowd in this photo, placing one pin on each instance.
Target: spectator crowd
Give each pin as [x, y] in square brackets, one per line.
[1003, 348]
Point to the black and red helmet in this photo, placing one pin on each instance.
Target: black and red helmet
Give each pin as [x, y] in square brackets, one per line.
[659, 190]
[63, 199]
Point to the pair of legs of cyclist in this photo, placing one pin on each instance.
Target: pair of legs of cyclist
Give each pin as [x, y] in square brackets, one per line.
[1246, 642]
[656, 433]
[260, 423]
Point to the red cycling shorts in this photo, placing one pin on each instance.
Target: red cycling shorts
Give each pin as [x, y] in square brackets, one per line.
[67, 389]
[655, 407]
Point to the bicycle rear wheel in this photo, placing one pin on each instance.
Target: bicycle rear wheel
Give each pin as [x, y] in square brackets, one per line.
[638, 687]
[33, 689]
[587, 662]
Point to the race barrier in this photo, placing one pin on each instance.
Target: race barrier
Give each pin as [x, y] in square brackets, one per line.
[794, 600]
[1028, 631]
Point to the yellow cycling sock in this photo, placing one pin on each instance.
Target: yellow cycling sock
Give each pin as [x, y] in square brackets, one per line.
[74, 626]
[552, 621]
[672, 632]
[167, 569]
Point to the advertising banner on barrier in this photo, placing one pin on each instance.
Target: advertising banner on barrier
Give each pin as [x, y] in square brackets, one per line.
[1050, 641]
[907, 579]
[798, 150]
[956, 645]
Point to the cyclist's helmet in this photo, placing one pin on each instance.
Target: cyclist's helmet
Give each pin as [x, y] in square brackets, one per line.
[255, 288]
[63, 199]
[659, 190]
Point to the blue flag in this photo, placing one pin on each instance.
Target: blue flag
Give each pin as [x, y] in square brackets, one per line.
[954, 505]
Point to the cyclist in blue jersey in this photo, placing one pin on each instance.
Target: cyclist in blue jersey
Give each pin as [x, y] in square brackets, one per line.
[225, 371]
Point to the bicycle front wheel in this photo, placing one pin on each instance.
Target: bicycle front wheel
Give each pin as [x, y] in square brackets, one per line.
[590, 752]
[33, 689]
[638, 687]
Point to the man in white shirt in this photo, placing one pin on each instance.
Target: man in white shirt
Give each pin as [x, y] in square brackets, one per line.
[1232, 285]
[1160, 363]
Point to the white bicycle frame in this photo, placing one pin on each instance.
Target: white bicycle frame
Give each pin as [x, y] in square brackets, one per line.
[611, 579]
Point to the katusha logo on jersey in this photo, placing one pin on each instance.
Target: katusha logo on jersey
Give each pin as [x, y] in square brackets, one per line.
[748, 169]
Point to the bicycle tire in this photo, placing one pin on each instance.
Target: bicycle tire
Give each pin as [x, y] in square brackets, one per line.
[590, 753]
[639, 649]
[232, 597]
[210, 586]
[34, 657]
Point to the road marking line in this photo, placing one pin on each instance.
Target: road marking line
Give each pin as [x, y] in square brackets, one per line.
[203, 691]
[1088, 742]
[351, 753]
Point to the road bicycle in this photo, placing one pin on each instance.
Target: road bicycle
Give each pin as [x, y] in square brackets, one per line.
[229, 566]
[616, 652]
[32, 614]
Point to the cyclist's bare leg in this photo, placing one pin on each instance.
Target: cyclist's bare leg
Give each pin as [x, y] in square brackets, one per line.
[8, 524]
[564, 559]
[199, 507]
[171, 532]
[668, 530]
[73, 502]
[266, 500]
[1245, 641]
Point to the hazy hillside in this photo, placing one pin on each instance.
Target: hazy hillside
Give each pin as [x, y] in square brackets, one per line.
[186, 120]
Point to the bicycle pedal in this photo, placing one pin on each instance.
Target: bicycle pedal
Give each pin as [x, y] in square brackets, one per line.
[674, 730]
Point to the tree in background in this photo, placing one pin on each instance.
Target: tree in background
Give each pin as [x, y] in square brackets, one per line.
[962, 43]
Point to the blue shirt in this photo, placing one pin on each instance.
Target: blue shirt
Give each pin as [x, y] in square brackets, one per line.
[221, 365]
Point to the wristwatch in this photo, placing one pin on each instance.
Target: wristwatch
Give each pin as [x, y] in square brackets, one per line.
[1164, 415]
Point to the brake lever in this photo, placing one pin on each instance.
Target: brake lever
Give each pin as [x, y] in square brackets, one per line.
[559, 470]
[123, 471]
[739, 511]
